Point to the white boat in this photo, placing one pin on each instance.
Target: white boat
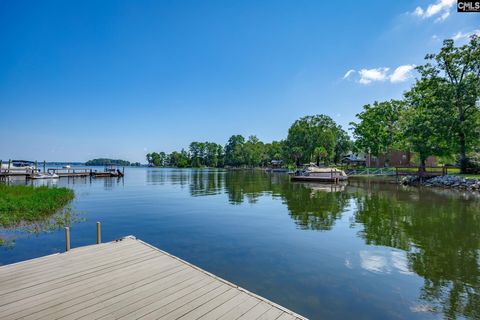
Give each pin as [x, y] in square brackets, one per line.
[40, 175]
[18, 167]
[312, 172]
[66, 167]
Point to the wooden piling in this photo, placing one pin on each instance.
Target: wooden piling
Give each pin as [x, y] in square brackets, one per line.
[67, 238]
[99, 233]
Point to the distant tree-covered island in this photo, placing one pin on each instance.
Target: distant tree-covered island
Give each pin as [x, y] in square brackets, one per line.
[107, 162]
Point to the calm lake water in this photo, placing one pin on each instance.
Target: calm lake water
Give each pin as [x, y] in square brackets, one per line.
[366, 250]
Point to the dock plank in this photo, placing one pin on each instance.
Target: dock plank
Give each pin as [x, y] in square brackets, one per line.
[97, 285]
[196, 308]
[90, 296]
[255, 312]
[127, 279]
[223, 305]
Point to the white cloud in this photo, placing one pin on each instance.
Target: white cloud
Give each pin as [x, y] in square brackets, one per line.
[441, 8]
[416, 307]
[402, 73]
[373, 262]
[369, 75]
[348, 73]
[400, 262]
[418, 11]
[459, 36]
[384, 262]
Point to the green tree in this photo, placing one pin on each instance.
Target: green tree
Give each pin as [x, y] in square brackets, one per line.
[156, 159]
[425, 123]
[275, 150]
[309, 133]
[456, 73]
[378, 128]
[253, 151]
[343, 145]
[178, 159]
[197, 151]
[162, 159]
[234, 153]
[213, 154]
[319, 153]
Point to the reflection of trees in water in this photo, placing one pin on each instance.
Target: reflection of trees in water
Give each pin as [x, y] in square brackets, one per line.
[311, 207]
[156, 176]
[62, 218]
[160, 176]
[441, 233]
[241, 184]
[206, 182]
[439, 230]
[316, 209]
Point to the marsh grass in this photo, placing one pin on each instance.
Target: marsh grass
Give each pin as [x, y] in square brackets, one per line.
[21, 205]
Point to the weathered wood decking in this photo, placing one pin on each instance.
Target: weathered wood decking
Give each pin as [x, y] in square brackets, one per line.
[127, 279]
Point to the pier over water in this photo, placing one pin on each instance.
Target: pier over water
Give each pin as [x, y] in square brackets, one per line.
[124, 279]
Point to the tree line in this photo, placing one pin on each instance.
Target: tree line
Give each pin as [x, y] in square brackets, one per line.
[438, 116]
[107, 162]
[312, 138]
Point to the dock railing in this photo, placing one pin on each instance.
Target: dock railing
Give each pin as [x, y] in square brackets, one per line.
[387, 171]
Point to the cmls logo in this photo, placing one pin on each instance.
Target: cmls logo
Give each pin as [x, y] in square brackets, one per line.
[468, 6]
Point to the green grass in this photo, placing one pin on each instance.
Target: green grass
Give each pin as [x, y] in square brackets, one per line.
[28, 204]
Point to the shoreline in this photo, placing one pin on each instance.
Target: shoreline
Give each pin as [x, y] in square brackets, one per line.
[452, 182]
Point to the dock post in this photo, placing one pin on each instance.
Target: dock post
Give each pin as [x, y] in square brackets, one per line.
[67, 238]
[44, 166]
[99, 233]
[9, 164]
[0, 166]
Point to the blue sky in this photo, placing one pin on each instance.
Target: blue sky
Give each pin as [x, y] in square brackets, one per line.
[85, 79]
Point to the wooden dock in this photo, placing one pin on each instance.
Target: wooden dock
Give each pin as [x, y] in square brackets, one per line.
[125, 279]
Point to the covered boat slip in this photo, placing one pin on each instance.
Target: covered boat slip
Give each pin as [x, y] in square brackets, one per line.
[125, 279]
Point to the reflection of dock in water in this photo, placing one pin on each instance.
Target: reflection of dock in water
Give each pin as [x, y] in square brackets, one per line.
[323, 187]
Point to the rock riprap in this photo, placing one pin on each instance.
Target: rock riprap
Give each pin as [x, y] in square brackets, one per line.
[447, 181]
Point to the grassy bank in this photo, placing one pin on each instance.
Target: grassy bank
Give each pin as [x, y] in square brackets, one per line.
[27, 203]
